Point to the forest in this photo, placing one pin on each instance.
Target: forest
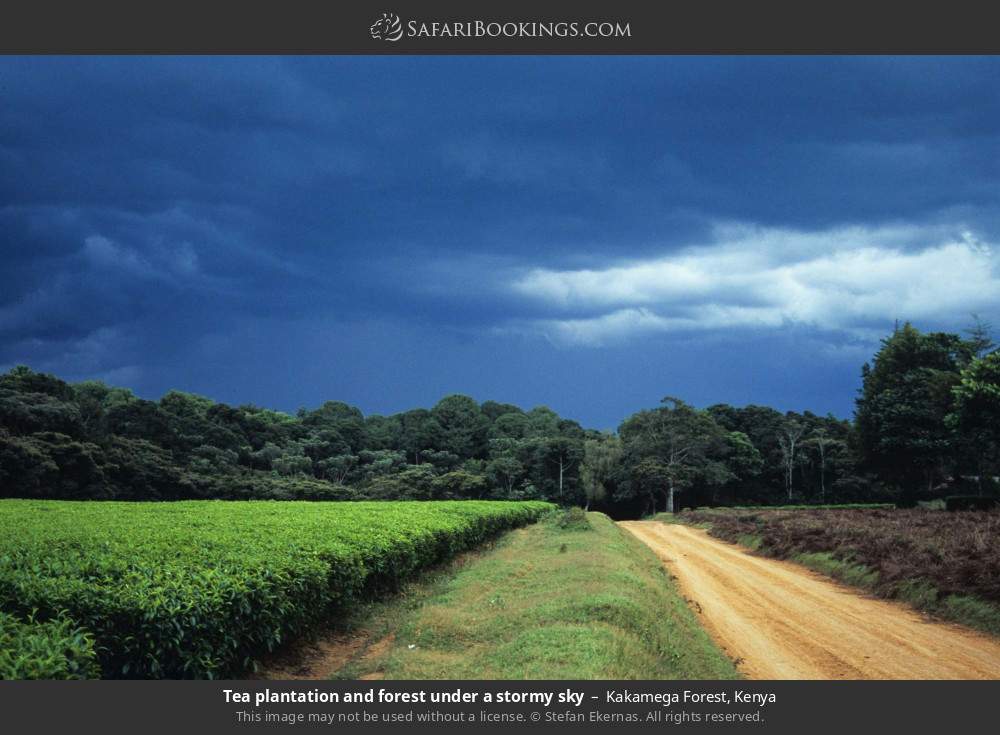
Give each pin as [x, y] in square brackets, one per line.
[926, 427]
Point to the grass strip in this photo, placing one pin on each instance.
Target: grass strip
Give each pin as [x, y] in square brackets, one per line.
[563, 599]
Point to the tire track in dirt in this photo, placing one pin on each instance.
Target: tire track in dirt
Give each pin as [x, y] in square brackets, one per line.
[779, 620]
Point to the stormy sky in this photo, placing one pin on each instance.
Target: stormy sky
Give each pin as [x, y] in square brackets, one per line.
[589, 233]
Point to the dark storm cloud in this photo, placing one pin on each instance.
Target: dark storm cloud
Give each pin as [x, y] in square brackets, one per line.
[352, 210]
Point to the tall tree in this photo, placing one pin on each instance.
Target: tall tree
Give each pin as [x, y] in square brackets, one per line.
[905, 395]
[463, 426]
[558, 458]
[419, 431]
[788, 440]
[743, 460]
[762, 425]
[505, 468]
[673, 446]
[825, 446]
[601, 459]
[976, 413]
[980, 336]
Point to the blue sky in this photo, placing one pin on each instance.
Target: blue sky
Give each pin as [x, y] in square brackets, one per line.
[589, 233]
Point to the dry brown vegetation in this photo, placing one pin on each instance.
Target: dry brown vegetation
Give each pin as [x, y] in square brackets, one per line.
[947, 563]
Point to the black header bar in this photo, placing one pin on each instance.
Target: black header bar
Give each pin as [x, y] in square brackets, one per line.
[446, 27]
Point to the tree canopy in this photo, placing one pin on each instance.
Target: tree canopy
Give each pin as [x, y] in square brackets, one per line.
[926, 423]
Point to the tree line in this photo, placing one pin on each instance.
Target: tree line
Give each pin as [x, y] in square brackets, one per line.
[926, 423]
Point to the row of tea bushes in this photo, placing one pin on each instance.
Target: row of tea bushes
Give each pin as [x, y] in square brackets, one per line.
[198, 589]
[54, 649]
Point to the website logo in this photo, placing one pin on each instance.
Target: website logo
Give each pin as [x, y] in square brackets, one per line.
[387, 28]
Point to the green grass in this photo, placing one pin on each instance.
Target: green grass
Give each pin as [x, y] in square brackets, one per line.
[917, 592]
[971, 611]
[751, 541]
[857, 575]
[964, 609]
[555, 600]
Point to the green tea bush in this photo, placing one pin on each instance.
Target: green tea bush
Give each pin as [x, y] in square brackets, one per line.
[573, 519]
[198, 589]
[55, 649]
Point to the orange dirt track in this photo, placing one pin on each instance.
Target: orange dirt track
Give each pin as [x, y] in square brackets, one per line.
[778, 620]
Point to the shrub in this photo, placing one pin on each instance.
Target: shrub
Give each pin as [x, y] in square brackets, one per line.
[574, 519]
[970, 502]
[944, 563]
[197, 589]
[54, 649]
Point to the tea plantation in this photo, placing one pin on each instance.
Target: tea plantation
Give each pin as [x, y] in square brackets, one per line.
[198, 589]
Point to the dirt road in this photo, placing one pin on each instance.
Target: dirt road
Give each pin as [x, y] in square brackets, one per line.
[778, 620]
